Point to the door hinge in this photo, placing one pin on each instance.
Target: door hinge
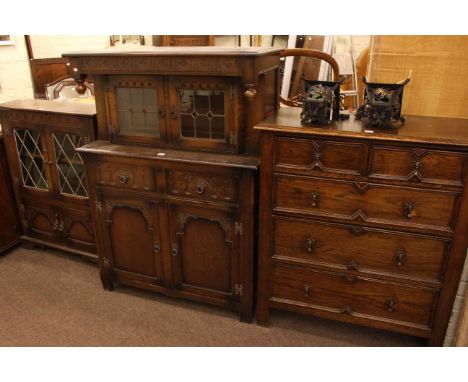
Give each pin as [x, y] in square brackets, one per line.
[233, 139]
[238, 289]
[238, 228]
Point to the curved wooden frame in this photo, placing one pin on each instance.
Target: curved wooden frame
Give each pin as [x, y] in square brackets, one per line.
[67, 80]
[318, 54]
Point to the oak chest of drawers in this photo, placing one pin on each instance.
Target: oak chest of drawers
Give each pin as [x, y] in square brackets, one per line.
[362, 225]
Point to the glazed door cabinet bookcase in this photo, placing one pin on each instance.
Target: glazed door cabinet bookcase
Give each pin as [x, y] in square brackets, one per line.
[48, 174]
[173, 174]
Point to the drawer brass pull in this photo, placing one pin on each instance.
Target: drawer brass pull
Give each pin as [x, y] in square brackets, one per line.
[174, 250]
[123, 179]
[157, 247]
[390, 305]
[306, 290]
[200, 188]
[400, 257]
[409, 209]
[314, 196]
[310, 244]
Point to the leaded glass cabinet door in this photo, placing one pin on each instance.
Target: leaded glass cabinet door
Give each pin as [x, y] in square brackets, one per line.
[33, 160]
[137, 110]
[201, 113]
[68, 169]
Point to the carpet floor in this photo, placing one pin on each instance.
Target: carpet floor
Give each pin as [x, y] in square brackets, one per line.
[49, 298]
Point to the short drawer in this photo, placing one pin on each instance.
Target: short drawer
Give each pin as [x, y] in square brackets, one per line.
[417, 165]
[356, 296]
[307, 156]
[362, 249]
[367, 202]
[125, 176]
[203, 185]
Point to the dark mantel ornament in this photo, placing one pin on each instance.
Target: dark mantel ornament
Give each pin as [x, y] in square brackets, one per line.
[321, 101]
[382, 103]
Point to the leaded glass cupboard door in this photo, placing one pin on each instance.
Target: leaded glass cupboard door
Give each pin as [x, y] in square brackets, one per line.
[68, 169]
[137, 109]
[33, 160]
[201, 113]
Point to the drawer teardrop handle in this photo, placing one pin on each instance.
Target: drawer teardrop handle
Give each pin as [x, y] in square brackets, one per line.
[390, 305]
[306, 290]
[400, 257]
[123, 178]
[409, 209]
[157, 247]
[310, 244]
[200, 188]
[314, 196]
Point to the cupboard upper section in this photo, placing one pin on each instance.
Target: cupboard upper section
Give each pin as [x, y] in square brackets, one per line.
[205, 98]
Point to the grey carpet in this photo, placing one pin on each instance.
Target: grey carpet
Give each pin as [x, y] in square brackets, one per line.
[49, 298]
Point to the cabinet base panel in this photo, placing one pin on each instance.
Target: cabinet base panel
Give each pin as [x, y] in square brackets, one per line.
[9, 246]
[236, 307]
[31, 242]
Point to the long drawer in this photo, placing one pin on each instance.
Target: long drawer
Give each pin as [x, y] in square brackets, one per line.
[405, 207]
[356, 296]
[364, 249]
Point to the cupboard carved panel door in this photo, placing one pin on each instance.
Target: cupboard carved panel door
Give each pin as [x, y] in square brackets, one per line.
[132, 238]
[77, 231]
[205, 251]
[42, 221]
[137, 109]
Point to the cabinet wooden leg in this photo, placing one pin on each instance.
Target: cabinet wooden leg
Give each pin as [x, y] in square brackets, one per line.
[28, 245]
[263, 315]
[107, 283]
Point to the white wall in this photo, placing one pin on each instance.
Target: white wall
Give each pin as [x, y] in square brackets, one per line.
[46, 46]
[15, 76]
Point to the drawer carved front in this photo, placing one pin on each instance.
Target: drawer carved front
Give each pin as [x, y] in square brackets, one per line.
[124, 176]
[362, 249]
[367, 202]
[417, 165]
[361, 297]
[318, 157]
[202, 186]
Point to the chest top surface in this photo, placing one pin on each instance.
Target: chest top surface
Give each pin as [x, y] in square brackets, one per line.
[417, 129]
[57, 107]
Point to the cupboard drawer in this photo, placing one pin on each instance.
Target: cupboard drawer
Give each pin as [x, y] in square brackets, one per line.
[367, 202]
[125, 176]
[203, 185]
[356, 296]
[361, 249]
[417, 165]
[307, 156]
